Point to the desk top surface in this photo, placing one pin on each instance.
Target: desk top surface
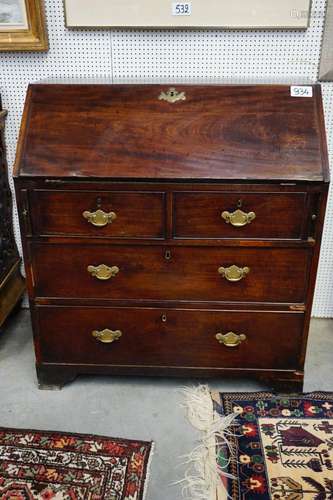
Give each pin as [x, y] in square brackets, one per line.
[194, 132]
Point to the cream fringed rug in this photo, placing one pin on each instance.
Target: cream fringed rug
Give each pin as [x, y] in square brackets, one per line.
[260, 446]
[207, 475]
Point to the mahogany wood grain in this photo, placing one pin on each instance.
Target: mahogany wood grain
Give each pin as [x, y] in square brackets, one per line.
[53, 376]
[160, 304]
[125, 132]
[278, 215]
[167, 185]
[139, 214]
[170, 337]
[168, 171]
[185, 273]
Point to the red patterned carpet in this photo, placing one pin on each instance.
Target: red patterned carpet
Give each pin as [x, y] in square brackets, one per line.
[52, 465]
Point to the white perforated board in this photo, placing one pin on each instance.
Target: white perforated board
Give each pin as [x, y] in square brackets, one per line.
[168, 56]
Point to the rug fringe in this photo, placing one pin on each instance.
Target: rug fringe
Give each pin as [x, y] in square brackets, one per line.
[147, 481]
[203, 478]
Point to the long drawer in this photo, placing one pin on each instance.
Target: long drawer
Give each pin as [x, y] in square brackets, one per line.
[99, 213]
[169, 337]
[240, 215]
[171, 273]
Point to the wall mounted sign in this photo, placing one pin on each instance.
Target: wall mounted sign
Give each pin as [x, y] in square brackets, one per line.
[326, 63]
[195, 13]
[22, 25]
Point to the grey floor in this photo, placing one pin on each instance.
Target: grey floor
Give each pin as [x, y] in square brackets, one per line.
[148, 409]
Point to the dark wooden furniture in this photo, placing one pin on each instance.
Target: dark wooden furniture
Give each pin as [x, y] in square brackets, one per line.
[11, 282]
[171, 232]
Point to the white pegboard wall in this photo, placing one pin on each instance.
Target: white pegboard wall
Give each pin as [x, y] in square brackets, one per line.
[323, 300]
[72, 53]
[219, 55]
[171, 56]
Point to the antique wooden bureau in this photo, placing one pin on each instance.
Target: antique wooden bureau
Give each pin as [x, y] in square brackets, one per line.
[171, 231]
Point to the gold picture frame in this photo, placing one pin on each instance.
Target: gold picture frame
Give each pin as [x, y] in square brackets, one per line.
[22, 26]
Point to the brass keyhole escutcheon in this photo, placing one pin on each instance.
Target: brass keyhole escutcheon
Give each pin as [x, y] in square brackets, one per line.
[164, 318]
[172, 96]
[168, 255]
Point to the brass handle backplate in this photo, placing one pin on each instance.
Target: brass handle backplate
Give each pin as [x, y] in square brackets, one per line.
[234, 273]
[103, 272]
[230, 339]
[99, 218]
[107, 336]
[238, 218]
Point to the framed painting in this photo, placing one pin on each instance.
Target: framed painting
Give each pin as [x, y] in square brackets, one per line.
[326, 62]
[238, 14]
[22, 25]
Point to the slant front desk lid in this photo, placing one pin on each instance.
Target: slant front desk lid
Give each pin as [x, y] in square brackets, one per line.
[183, 132]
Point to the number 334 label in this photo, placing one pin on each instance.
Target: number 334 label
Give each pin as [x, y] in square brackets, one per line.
[181, 8]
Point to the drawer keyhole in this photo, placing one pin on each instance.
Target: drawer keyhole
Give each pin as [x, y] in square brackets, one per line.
[168, 255]
[164, 318]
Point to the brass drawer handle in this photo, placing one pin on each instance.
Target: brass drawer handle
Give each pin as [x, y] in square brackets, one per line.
[103, 272]
[234, 273]
[238, 218]
[107, 336]
[99, 218]
[230, 339]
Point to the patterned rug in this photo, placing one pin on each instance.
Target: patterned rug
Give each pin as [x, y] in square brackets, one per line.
[282, 446]
[51, 465]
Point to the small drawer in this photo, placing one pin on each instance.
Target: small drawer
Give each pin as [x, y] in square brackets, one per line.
[99, 214]
[120, 272]
[240, 215]
[169, 337]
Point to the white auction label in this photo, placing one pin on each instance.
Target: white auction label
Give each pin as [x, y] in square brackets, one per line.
[181, 8]
[301, 91]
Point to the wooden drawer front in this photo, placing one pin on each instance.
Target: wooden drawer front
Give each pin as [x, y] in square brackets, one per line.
[138, 215]
[185, 273]
[277, 215]
[169, 337]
